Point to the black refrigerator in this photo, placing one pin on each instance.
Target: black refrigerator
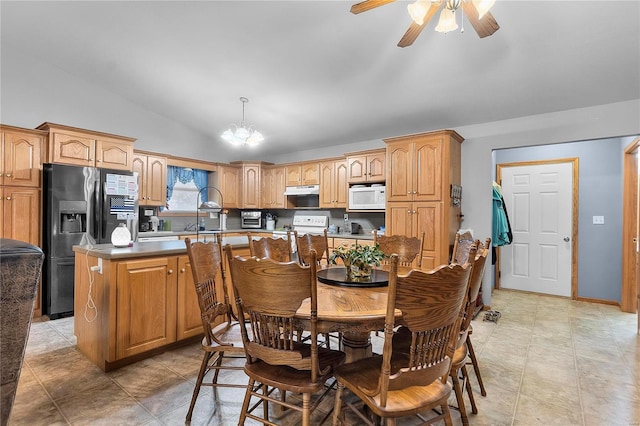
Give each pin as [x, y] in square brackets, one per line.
[82, 206]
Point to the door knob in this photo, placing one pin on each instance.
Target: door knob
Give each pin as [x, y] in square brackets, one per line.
[566, 239]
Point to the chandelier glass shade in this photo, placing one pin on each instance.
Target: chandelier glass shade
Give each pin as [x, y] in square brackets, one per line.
[242, 135]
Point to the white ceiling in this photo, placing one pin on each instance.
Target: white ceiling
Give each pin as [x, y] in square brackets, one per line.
[317, 75]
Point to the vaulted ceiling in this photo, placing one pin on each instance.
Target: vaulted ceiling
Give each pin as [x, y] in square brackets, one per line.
[317, 75]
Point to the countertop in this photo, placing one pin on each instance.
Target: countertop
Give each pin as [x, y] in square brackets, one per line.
[177, 247]
[364, 236]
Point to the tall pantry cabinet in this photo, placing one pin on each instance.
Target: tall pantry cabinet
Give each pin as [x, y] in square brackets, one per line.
[21, 187]
[421, 170]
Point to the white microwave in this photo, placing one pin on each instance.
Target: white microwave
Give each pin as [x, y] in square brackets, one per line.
[367, 197]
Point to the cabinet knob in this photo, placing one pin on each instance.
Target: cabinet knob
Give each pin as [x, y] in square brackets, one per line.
[409, 193]
[182, 270]
[98, 160]
[8, 174]
[170, 271]
[8, 198]
[0, 174]
[0, 198]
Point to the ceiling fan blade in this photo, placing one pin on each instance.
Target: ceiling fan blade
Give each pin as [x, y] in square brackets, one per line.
[414, 29]
[485, 26]
[363, 6]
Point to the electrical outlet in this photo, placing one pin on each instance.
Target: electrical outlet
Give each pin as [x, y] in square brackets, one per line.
[346, 217]
[598, 220]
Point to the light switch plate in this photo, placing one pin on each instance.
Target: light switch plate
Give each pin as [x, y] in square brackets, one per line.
[598, 220]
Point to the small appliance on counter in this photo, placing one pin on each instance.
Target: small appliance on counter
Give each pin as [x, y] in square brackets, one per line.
[251, 219]
[355, 228]
[146, 215]
[271, 221]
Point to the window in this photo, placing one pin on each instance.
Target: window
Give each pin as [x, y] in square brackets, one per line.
[183, 186]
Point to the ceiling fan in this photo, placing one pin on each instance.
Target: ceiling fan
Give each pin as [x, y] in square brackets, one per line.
[476, 11]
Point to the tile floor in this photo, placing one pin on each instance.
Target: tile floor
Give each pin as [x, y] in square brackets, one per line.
[547, 361]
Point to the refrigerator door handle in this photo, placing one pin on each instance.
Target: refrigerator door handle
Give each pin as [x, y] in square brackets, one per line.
[105, 209]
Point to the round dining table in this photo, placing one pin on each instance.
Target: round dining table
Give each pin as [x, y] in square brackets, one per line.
[353, 311]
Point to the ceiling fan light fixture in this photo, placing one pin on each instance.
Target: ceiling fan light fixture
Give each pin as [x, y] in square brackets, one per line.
[242, 135]
[447, 21]
[418, 10]
[483, 6]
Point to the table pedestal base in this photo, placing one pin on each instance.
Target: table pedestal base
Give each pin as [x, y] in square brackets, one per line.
[356, 345]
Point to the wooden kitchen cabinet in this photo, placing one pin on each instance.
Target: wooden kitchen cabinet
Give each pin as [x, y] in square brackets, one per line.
[421, 170]
[412, 219]
[229, 184]
[146, 305]
[20, 218]
[333, 184]
[80, 147]
[152, 179]
[142, 304]
[368, 166]
[273, 187]
[20, 162]
[188, 321]
[303, 174]
[251, 186]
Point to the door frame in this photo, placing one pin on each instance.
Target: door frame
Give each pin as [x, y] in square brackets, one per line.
[630, 302]
[575, 162]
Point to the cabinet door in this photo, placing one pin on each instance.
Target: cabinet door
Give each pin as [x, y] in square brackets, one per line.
[146, 305]
[428, 219]
[399, 161]
[139, 166]
[20, 214]
[427, 167]
[22, 165]
[398, 219]
[376, 167]
[251, 186]
[113, 155]
[310, 174]
[294, 175]
[357, 169]
[229, 181]
[267, 189]
[75, 150]
[327, 197]
[341, 186]
[278, 188]
[156, 181]
[189, 322]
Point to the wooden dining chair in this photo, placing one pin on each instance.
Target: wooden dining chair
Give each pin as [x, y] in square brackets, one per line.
[307, 242]
[270, 293]
[278, 249]
[408, 249]
[410, 381]
[222, 335]
[464, 348]
[461, 245]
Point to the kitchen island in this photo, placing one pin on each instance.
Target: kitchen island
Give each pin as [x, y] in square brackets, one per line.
[133, 302]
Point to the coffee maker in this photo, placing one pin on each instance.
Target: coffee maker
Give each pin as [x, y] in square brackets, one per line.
[147, 215]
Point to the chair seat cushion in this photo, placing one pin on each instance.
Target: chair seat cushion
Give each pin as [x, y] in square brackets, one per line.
[362, 376]
[291, 379]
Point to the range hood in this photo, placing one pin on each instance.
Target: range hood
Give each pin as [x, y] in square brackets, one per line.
[302, 190]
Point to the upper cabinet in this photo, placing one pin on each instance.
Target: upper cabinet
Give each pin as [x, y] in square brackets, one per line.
[251, 186]
[20, 162]
[367, 166]
[333, 184]
[69, 145]
[303, 174]
[273, 187]
[421, 167]
[152, 179]
[229, 185]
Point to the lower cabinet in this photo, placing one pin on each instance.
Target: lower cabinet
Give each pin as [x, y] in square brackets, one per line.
[141, 305]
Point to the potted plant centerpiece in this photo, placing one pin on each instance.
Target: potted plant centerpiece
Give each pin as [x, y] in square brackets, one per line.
[358, 259]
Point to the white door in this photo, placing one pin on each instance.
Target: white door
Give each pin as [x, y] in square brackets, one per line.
[539, 200]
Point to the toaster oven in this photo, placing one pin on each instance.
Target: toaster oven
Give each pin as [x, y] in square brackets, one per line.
[251, 219]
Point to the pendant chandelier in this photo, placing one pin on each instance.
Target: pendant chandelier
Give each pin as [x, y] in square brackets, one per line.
[242, 135]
